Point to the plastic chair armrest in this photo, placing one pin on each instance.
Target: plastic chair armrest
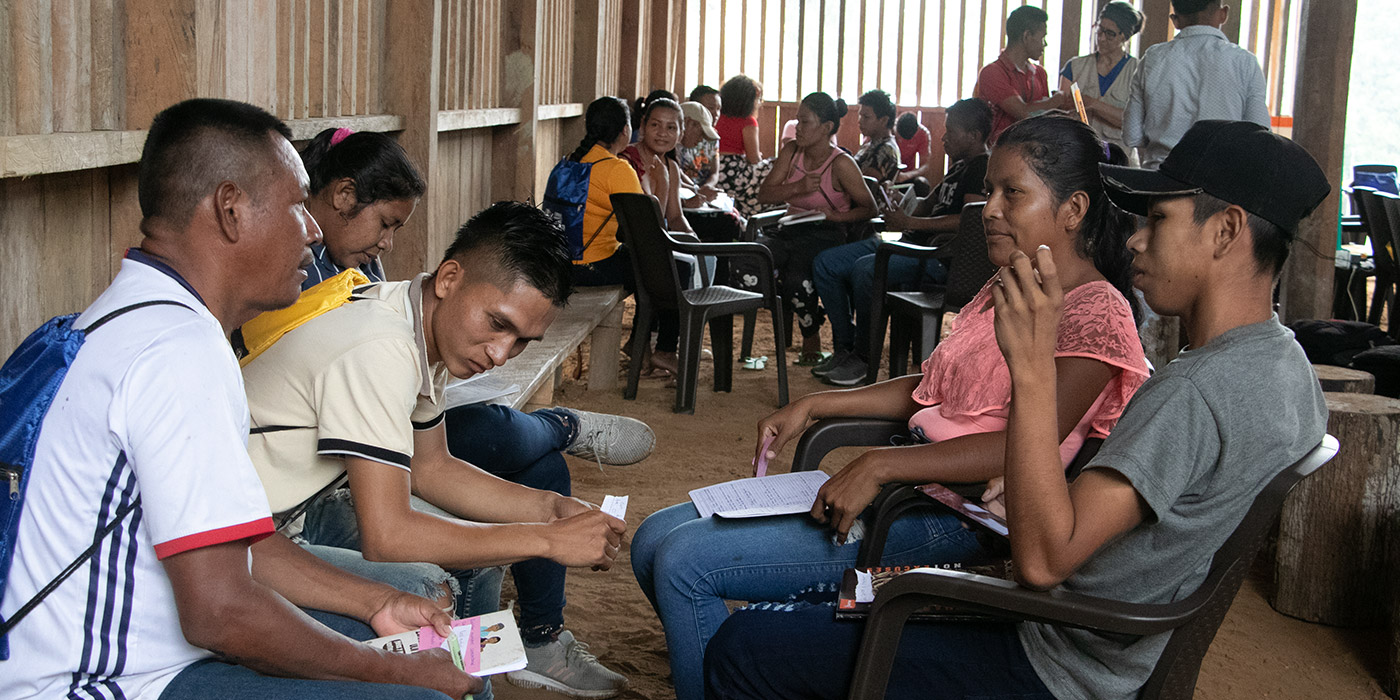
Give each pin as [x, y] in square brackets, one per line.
[830, 433]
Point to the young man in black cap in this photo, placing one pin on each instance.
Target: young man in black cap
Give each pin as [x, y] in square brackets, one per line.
[1194, 447]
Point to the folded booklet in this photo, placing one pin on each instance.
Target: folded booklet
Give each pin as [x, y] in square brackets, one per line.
[802, 217]
[486, 644]
[966, 509]
[858, 588]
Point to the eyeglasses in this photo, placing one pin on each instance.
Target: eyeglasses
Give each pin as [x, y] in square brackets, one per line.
[1106, 33]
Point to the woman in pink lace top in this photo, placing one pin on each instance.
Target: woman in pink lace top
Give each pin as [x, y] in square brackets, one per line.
[1043, 190]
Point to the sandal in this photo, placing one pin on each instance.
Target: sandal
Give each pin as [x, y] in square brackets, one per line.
[811, 359]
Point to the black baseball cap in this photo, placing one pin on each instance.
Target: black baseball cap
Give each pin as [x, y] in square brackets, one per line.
[1239, 163]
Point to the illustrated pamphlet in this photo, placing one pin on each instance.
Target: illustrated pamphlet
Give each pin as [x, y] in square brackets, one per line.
[484, 645]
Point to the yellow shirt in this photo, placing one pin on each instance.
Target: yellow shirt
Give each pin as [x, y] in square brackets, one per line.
[610, 174]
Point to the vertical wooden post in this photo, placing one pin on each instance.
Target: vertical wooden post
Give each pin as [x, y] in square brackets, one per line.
[161, 64]
[413, 94]
[630, 68]
[1157, 25]
[1325, 40]
[513, 147]
[1071, 24]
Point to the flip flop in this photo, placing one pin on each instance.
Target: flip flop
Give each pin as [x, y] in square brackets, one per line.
[755, 363]
[811, 359]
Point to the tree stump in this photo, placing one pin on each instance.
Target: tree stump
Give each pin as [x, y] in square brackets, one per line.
[1345, 380]
[1334, 533]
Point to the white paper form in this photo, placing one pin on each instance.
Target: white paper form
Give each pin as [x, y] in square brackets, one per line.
[779, 494]
[615, 506]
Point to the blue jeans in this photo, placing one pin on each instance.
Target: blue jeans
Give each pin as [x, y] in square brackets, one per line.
[844, 276]
[212, 678]
[522, 448]
[688, 566]
[802, 651]
[332, 533]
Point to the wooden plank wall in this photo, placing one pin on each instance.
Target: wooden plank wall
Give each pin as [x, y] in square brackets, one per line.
[81, 79]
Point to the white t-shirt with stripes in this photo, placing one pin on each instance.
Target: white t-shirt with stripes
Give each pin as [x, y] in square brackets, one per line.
[153, 406]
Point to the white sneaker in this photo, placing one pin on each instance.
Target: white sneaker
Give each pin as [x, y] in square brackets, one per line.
[566, 666]
[609, 439]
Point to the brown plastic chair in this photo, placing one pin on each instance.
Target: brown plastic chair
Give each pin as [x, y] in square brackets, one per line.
[916, 317]
[659, 286]
[1192, 621]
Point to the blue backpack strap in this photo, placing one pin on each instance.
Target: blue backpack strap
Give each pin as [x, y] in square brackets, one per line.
[117, 518]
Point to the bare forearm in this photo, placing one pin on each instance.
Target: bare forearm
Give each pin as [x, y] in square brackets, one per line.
[1108, 114]
[1039, 511]
[891, 399]
[309, 582]
[779, 193]
[853, 214]
[453, 544]
[937, 224]
[474, 494]
[970, 459]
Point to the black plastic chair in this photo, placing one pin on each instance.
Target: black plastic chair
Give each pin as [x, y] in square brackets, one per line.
[916, 317]
[1192, 621]
[1376, 208]
[652, 251]
[1391, 204]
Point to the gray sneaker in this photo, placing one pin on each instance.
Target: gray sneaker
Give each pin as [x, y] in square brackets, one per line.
[609, 439]
[566, 666]
[850, 372]
[823, 368]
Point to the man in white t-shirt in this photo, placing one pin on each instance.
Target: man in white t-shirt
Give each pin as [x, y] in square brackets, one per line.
[152, 408]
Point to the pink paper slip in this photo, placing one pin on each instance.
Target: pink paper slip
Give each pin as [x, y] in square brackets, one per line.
[761, 463]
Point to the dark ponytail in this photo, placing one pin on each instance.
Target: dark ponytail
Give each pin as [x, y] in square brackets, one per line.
[602, 123]
[376, 163]
[827, 110]
[1065, 154]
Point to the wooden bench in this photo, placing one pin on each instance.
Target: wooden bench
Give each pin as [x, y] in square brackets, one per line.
[595, 311]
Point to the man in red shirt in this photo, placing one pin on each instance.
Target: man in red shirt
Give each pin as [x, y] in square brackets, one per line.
[1015, 85]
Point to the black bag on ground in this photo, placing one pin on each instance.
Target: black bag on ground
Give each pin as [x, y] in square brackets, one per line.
[1384, 363]
[1335, 343]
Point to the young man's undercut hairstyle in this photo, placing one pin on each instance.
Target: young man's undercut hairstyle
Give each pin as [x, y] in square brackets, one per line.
[879, 102]
[972, 114]
[195, 145]
[1189, 8]
[1023, 19]
[522, 243]
[1271, 243]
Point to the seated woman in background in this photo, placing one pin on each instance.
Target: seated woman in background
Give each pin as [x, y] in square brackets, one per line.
[1044, 190]
[640, 108]
[811, 176]
[1105, 76]
[878, 156]
[607, 131]
[653, 156]
[698, 153]
[741, 164]
[915, 153]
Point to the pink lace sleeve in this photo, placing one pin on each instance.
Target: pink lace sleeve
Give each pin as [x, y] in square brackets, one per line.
[1098, 324]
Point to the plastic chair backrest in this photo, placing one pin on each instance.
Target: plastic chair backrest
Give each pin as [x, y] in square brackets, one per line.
[1180, 663]
[1379, 226]
[639, 218]
[1391, 204]
[969, 269]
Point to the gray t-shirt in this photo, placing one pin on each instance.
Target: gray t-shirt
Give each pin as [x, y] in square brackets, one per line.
[1198, 442]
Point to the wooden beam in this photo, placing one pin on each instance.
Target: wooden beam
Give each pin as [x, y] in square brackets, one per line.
[161, 64]
[1071, 24]
[459, 119]
[1325, 40]
[412, 92]
[1157, 25]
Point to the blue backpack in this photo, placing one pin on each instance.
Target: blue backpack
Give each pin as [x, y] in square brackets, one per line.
[28, 382]
[565, 198]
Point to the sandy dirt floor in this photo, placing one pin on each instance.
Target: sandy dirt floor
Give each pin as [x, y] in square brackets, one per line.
[1258, 652]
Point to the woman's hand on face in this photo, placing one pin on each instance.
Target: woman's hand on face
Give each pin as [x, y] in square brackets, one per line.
[1028, 300]
[842, 498]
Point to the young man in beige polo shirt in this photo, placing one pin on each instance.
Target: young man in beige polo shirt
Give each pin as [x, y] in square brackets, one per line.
[359, 391]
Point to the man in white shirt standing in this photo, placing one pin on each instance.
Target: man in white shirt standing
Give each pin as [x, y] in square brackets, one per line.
[193, 595]
[1199, 74]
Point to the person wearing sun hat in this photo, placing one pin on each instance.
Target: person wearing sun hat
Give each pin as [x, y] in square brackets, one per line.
[698, 151]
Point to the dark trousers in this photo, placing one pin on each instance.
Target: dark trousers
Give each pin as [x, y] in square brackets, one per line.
[802, 651]
[523, 448]
[794, 248]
